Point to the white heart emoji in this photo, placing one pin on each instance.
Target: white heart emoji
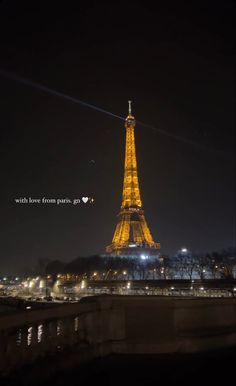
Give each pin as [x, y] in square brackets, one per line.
[85, 199]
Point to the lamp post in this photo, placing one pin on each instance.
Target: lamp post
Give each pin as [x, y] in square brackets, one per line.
[46, 285]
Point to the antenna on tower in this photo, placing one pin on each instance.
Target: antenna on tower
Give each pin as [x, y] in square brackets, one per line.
[129, 102]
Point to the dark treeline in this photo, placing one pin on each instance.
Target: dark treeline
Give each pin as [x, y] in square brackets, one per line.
[182, 266]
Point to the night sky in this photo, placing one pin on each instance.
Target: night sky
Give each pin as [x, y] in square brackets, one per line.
[176, 64]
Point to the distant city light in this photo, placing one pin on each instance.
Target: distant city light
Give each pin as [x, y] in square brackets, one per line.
[31, 283]
[124, 272]
[83, 284]
[184, 250]
[41, 284]
[144, 257]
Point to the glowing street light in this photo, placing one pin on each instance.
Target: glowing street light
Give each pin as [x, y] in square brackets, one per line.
[41, 284]
[83, 284]
[31, 284]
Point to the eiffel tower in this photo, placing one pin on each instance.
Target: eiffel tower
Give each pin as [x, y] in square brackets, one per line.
[132, 236]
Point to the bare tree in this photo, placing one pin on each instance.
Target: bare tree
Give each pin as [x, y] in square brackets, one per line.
[202, 265]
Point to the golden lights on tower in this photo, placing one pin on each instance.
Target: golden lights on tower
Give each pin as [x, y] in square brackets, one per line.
[132, 233]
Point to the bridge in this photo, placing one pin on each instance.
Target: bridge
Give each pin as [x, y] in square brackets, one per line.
[165, 287]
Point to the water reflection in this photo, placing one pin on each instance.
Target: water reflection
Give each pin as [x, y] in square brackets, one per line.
[59, 327]
[49, 329]
[29, 336]
[76, 326]
[19, 337]
[40, 333]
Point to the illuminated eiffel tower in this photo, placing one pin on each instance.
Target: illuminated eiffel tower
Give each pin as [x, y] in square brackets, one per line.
[132, 236]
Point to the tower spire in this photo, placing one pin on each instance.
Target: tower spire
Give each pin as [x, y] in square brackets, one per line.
[129, 102]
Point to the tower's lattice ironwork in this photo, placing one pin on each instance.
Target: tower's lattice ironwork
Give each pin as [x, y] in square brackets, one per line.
[132, 235]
